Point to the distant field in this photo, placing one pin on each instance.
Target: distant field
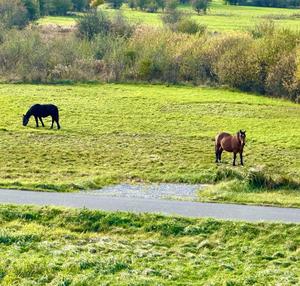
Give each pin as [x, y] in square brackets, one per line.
[120, 132]
[51, 246]
[220, 17]
[58, 20]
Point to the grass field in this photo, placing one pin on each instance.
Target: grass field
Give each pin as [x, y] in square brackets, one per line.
[51, 246]
[121, 132]
[219, 18]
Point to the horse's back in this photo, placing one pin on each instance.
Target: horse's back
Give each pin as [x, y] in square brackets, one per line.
[44, 110]
[221, 136]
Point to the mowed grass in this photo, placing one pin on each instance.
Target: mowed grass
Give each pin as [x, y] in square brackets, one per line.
[54, 246]
[115, 133]
[58, 20]
[220, 17]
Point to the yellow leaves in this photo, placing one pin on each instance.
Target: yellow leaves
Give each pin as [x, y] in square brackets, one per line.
[96, 3]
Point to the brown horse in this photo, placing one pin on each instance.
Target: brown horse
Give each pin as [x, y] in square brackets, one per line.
[230, 143]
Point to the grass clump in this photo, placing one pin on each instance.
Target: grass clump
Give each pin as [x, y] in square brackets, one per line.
[254, 186]
[140, 251]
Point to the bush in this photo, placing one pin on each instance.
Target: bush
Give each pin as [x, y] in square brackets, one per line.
[265, 28]
[189, 26]
[281, 76]
[120, 26]
[239, 66]
[257, 178]
[24, 57]
[92, 24]
[13, 14]
[115, 50]
[200, 5]
[172, 17]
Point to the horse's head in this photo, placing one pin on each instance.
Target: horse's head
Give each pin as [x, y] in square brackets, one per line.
[25, 120]
[242, 137]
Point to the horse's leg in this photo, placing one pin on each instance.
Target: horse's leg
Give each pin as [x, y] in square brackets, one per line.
[217, 153]
[241, 157]
[36, 121]
[52, 123]
[58, 126]
[220, 153]
[42, 121]
[234, 158]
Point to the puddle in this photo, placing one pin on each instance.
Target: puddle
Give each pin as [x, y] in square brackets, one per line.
[152, 191]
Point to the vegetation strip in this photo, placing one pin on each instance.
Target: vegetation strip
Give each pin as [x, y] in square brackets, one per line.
[58, 246]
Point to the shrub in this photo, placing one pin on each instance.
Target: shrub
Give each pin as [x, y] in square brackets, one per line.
[257, 178]
[171, 18]
[120, 26]
[24, 57]
[262, 29]
[13, 14]
[239, 67]
[92, 24]
[200, 5]
[281, 76]
[189, 26]
[172, 4]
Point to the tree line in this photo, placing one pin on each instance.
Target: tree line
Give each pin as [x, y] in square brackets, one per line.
[37, 8]
[266, 3]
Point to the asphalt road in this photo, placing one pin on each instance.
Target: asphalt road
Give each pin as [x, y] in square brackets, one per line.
[138, 205]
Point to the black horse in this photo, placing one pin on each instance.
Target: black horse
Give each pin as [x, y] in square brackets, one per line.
[42, 110]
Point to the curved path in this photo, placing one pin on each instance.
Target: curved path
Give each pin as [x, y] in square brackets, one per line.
[183, 208]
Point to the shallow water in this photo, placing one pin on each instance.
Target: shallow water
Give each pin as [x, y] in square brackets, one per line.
[155, 191]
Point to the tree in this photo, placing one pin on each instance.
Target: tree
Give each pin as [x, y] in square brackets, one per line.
[44, 7]
[171, 18]
[96, 3]
[60, 7]
[116, 4]
[80, 5]
[93, 23]
[142, 4]
[172, 4]
[200, 5]
[33, 8]
[161, 4]
[132, 4]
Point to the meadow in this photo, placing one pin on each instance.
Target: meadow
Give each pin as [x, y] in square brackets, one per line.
[115, 133]
[220, 17]
[55, 246]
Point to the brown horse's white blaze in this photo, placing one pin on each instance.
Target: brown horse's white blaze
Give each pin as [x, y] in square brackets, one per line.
[230, 143]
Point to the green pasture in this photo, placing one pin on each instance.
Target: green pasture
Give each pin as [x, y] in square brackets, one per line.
[220, 17]
[114, 133]
[54, 246]
[58, 20]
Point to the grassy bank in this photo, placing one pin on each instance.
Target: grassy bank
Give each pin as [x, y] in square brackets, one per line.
[78, 247]
[219, 18]
[120, 132]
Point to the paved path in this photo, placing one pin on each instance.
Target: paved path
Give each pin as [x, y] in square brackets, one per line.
[184, 208]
